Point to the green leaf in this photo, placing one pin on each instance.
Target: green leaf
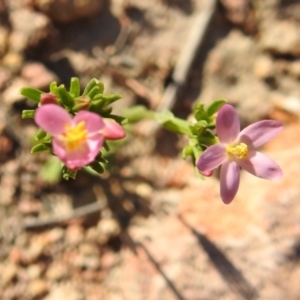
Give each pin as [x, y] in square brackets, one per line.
[98, 97]
[215, 106]
[187, 151]
[208, 139]
[75, 87]
[97, 107]
[28, 113]
[93, 82]
[40, 134]
[96, 166]
[137, 113]
[43, 147]
[31, 93]
[93, 92]
[199, 127]
[67, 173]
[105, 146]
[119, 119]
[106, 112]
[171, 123]
[51, 170]
[199, 112]
[198, 174]
[53, 88]
[110, 98]
[100, 85]
[65, 97]
[100, 157]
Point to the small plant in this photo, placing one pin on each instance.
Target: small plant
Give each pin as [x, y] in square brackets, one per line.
[75, 127]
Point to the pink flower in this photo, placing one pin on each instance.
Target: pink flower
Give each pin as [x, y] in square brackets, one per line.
[76, 141]
[239, 150]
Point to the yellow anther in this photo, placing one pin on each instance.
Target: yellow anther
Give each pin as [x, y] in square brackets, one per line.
[74, 137]
[239, 151]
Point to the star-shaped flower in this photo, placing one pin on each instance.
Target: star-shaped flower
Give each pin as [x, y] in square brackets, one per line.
[238, 149]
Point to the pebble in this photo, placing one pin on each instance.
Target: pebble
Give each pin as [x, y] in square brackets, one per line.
[294, 68]
[56, 234]
[37, 75]
[91, 234]
[11, 94]
[66, 291]
[57, 271]
[144, 190]
[29, 28]
[13, 61]
[34, 271]
[74, 234]
[36, 248]
[89, 262]
[88, 249]
[37, 288]
[29, 206]
[77, 9]
[8, 273]
[109, 227]
[5, 77]
[281, 37]
[288, 104]
[3, 40]
[264, 67]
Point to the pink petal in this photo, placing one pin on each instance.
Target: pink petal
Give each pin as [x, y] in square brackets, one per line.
[260, 165]
[260, 132]
[211, 158]
[81, 156]
[206, 173]
[229, 180]
[227, 124]
[112, 130]
[93, 122]
[52, 118]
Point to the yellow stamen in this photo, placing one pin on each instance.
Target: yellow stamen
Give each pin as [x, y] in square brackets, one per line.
[74, 137]
[239, 151]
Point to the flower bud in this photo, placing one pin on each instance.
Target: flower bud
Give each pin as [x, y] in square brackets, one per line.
[112, 130]
[48, 98]
[82, 103]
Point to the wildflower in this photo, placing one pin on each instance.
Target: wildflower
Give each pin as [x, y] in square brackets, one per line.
[76, 141]
[239, 150]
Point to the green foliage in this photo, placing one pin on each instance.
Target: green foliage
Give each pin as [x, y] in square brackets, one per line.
[215, 106]
[65, 97]
[31, 93]
[51, 170]
[75, 87]
[67, 173]
[42, 147]
[28, 113]
[172, 123]
[41, 134]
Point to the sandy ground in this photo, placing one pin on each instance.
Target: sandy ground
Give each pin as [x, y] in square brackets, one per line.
[155, 231]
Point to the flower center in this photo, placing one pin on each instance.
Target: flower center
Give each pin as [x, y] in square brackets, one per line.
[74, 137]
[239, 151]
